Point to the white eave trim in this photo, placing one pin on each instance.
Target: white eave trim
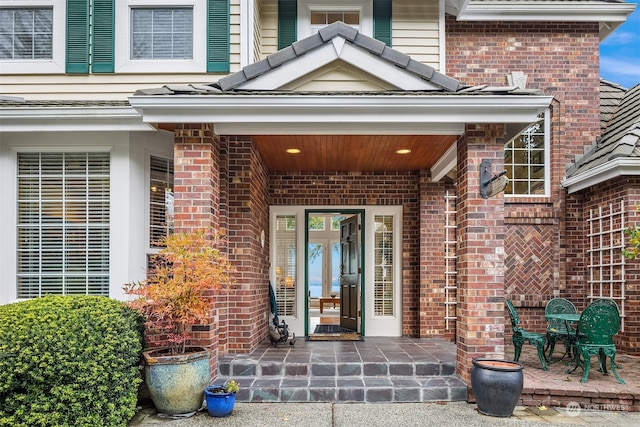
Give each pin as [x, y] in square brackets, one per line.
[609, 15]
[612, 169]
[445, 163]
[545, 11]
[290, 114]
[86, 118]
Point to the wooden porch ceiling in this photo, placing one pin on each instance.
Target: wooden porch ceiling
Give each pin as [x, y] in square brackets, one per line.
[351, 153]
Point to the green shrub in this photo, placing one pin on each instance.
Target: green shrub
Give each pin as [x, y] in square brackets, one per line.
[69, 361]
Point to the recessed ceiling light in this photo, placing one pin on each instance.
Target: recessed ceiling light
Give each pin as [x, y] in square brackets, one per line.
[403, 151]
[293, 150]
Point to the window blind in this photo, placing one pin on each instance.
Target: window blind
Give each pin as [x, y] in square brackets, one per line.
[63, 224]
[26, 33]
[160, 199]
[164, 33]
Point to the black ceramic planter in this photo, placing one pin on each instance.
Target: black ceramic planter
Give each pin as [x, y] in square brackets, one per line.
[497, 386]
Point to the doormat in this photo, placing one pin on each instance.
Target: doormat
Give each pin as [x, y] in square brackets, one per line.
[335, 337]
[333, 333]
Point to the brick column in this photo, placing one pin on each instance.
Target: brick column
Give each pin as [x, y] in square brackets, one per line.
[196, 177]
[480, 323]
[196, 205]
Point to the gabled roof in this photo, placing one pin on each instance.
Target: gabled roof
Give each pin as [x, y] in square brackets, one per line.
[345, 43]
[617, 153]
[277, 96]
[336, 43]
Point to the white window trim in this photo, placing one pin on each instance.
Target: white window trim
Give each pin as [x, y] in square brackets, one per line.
[12, 290]
[365, 7]
[147, 200]
[44, 66]
[547, 162]
[123, 61]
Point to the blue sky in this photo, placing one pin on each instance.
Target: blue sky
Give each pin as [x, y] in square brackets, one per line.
[620, 53]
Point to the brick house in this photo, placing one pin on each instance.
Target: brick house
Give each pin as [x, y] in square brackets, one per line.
[364, 133]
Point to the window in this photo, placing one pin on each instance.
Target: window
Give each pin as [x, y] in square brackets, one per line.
[526, 158]
[320, 19]
[167, 36]
[165, 33]
[313, 16]
[160, 199]
[63, 224]
[26, 33]
[316, 223]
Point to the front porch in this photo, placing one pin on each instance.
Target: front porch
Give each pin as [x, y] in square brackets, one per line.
[386, 370]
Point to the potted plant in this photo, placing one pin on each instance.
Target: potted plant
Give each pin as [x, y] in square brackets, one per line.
[186, 277]
[221, 398]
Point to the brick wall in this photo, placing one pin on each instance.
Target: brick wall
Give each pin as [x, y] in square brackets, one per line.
[248, 207]
[351, 189]
[432, 266]
[197, 192]
[480, 324]
[603, 195]
[561, 59]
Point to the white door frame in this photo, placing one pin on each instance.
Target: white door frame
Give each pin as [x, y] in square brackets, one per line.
[373, 325]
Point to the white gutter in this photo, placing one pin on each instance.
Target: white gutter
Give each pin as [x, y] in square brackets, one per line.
[333, 114]
[547, 11]
[81, 118]
[612, 169]
[609, 15]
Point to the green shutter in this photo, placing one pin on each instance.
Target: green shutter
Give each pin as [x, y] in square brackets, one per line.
[102, 49]
[287, 19]
[382, 21]
[218, 36]
[77, 36]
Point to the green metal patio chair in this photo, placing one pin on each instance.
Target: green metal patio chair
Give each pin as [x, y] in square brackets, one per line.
[599, 322]
[606, 301]
[557, 330]
[520, 336]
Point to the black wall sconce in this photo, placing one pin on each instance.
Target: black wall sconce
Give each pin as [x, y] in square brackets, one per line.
[491, 184]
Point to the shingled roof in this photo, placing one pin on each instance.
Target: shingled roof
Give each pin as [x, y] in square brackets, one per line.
[621, 138]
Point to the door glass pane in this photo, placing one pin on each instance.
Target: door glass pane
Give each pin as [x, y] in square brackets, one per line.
[383, 266]
[335, 267]
[316, 263]
[286, 264]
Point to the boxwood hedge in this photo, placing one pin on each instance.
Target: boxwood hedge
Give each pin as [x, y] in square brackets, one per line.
[69, 361]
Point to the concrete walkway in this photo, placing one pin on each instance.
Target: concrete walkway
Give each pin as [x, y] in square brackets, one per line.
[385, 414]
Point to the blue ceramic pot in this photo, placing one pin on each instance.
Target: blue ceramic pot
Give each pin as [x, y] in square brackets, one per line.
[219, 403]
[176, 383]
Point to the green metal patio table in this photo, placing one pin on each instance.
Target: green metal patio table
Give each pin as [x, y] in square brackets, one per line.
[570, 343]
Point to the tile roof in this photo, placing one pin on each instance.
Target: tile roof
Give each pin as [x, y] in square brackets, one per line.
[231, 84]
[621, 137]
[610, 96]
[19, 102]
